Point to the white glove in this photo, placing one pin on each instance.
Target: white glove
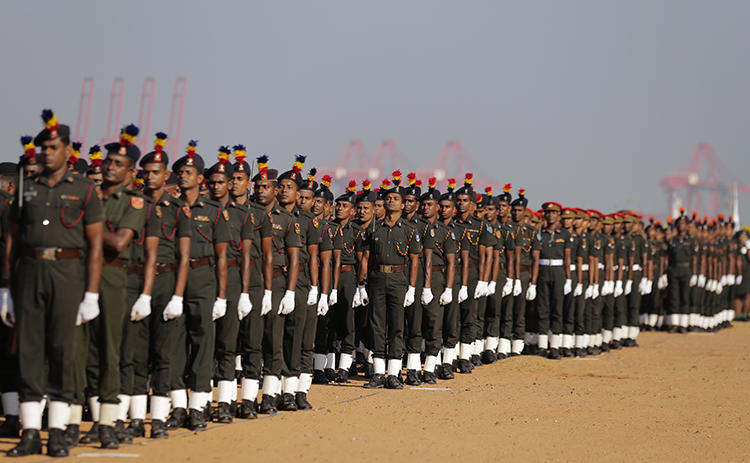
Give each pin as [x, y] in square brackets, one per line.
[333, 298]
[589, 292]
[731, 280]
[220, 309]
[266, 305]
[447, 296]
[723, 280]
[244, 306]
[738, 280]
[357, 299]
[693, 280]
[480, 290]
[663, 281]
[531, 292]
[642, 286]
[7, 313]
[141, 308]
[323, 305]
[710, 285]
[743, 249]
[363, 295]
[173, 309]
[463, 294]
[608, 288]
[312, 296]
[568, 286]
[702, 281]
[517, 288]
[88, 309]
[491, 288]
[508, 287]
[427, 296]
[595, 292]
[628, 287]
[719, 288]
[650, 286]
[579, 290]
[410, 295]
[286, 306]
[618, 288]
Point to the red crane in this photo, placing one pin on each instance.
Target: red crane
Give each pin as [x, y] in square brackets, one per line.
[84, 110]
[147, 102]
[115, 110]
[175, 117]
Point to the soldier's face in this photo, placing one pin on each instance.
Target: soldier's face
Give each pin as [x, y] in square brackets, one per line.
[463, 204]
[287, 192]
[305, 200]
[319, 206]
[503, 209]
[429, 209]
[116, 169]
[394, 202]
[218, 185]
[155, 175]
[517, 212]
[365, 211]
[344, 210]
[593, 224]
[682, 225]
[379, 208]
[446, 210]
[607, 229]
[32, 169]
[189, 178]
[173, 191]
[628, 227]
[264, 190]
[410, 204]
[567, 222]
[239, 184]
[490, 213]
[56, 154]
[551, 216]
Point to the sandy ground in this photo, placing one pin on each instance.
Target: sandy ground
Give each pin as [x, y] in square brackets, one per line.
[675, 398]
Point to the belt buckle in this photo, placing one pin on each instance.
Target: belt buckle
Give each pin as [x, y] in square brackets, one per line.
[48, 253]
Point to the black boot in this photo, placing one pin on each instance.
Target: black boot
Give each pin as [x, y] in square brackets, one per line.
[137, 428]
[302, 403]
[554, 354]
[10, 427]
[465, 366]
[288, 404]
[31, 444]
[377, 382]
[223, 413]
[446, 372]
[393, 382]
[177, 419]
[91, 436]
[57, 444]
[267, 405]
[197, 420]
[342, 376]
[72, 433]
[319, 377]
[476, 360]
[158, 429]
[429, 377]
[108, 438]
[248, 410]
[330, 374]
[488, 357]
[122, 434]
[412, 378]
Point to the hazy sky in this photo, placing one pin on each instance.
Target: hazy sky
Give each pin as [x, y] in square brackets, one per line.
[585, 102]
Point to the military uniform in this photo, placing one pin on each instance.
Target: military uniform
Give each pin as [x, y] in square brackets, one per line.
[524, 327]
[680, 253]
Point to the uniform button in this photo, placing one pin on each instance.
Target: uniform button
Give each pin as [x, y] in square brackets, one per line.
[45, 222]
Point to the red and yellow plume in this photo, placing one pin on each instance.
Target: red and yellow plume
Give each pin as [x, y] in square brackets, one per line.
[352, 188]
[385, 185]
[75, 152]
[651, 219]
[396, 177]
[507, 188]
[488, 190]
[299, 162]
[50, 122]
[311, 174]
[468, 179]
[522, 192]
[419, 183]
[432, 183]
[412, 178]
[95, 155]
[128, 134]
[239, 153]
[262, 162]
[451, 184]
[159, 142]
[29, 148]
[366, 185]
[326, 182]
[479, 197]
[191, 147]
[224, 154]
[682, 210]
[138, 180]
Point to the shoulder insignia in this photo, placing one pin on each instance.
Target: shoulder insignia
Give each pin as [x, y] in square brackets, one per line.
[497, 233]
[432, 232]
[225, 213]
[136, 202]
[186, 211]
[315, 222]
[296, 228]
[158, 211]
[165, 203]
[539, 236]
[252, 219]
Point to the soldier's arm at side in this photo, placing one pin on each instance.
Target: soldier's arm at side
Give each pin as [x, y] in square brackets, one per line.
[483, 273]
[465, 267]
[246, 260]
[221, 269]
[117, 240]
[150, 249]
[363, 267]
[413, 269]
[566, 261]
[267, 248]
[450, 274]
[94, 232]
[183, 265]
[510, 263]
[495, 265]
[325, 273]
[427, 266]
[337, 267]
[293, 255]
[535, 265]
[312, 250]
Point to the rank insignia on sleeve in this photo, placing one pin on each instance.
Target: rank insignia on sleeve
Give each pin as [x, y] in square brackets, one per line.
[252, 219]
[136, 202]
[315, 222]
[186, 211]
[158, 211]
[296, 228]
[225, 213]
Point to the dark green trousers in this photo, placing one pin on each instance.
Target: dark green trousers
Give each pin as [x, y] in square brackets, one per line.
[163, 335]
[432, 316]
[227, 329]
[251, 336]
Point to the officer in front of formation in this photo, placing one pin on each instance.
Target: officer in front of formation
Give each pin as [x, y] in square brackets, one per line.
[54, 264]
[551, 275]
[683, 264]
[391, 255]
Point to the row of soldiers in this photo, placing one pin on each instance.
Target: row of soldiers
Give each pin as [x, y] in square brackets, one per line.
[122, 297]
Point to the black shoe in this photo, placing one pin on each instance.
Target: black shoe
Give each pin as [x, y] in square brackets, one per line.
[10, 427]
[369, 370]
[616, 345]
[446, 372]
[267, 405]
[342, 376]
[72, 433]
[412, 378]
[178, 418]
[108, 438]
[476, 360]
[465, 366]
[605, 347]
[596, 350]
[377, 382]
[580, 352]
[429, 378]
[630, 343]
[57, 444]
[353, 371]
[31, 444]
[330, 374]
[590, 350]
[319, 377]
[234, 409]
[566, 352]
[137, 428]
[301, 399]
[674, 329]
[554, 354]
[488, 357]
[541, 352]
[248, 410]
[197, 420]
[393, 382]
[288, 404]
[122, 434]
[683, 330]
[223, 413]
[91, 436]
[158, 430]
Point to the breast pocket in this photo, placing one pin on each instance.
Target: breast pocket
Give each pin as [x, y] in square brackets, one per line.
[71, 212]
[205, 229]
